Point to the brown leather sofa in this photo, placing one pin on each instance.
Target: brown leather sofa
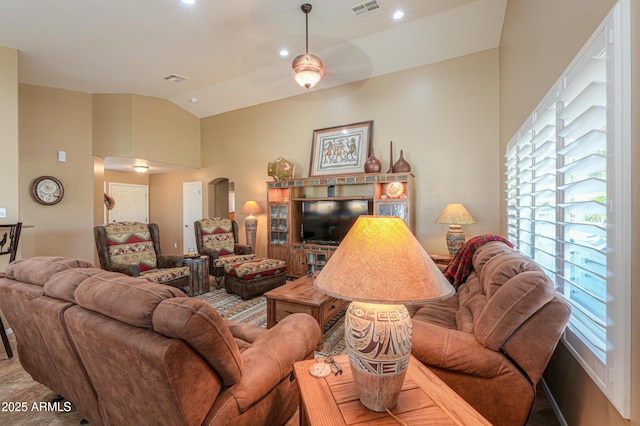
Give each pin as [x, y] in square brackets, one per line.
[492, 340]
[127, 351]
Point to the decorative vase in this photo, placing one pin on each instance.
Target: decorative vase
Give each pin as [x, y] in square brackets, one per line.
[401, 166]
[390, 157]
[372, 165]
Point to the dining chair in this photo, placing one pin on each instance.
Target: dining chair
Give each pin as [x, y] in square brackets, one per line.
[9, 237]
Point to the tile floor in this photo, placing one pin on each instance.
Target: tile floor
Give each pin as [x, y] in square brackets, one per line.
[17, 386]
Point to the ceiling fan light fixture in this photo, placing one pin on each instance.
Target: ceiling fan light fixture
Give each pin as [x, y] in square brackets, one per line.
[308, 68]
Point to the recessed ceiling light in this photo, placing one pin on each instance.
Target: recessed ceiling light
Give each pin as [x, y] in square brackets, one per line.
[398, 14]
[140, 168]
[188, 1]
[193, 100]
[284, 53]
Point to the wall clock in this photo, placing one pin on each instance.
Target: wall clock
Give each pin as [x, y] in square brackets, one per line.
[47, 190]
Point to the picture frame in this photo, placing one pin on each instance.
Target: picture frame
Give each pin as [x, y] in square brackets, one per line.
[341, 150]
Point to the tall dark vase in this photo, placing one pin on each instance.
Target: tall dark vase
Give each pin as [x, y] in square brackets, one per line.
[390, 157]
[372, 165]
[401, 166]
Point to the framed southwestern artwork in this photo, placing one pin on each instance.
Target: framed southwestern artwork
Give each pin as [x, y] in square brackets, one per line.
[341, 150]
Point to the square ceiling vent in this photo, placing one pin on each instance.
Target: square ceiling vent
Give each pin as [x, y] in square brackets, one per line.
[366, 9]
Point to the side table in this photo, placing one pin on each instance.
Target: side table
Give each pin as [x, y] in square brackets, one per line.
[424, 399]
[198, 275]
[441, 260]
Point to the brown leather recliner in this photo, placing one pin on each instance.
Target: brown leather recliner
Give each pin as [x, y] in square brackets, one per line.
[492, 340]
[149, 355]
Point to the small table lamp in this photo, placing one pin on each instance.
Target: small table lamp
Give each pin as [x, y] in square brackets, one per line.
[251, 222]
[379, 266]
[455, 215]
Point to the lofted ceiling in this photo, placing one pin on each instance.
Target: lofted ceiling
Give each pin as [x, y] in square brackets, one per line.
[228, 50]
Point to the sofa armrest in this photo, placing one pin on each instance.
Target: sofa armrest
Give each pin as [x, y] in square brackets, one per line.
[242, 249]
[270, 359]
[124, 268]
[454, 350]
[170, 261]
[207, 251]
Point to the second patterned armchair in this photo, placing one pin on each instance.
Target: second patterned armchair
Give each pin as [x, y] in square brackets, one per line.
[133, 249]
[218, 238]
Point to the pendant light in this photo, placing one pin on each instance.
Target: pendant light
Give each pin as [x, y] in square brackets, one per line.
[307, 68]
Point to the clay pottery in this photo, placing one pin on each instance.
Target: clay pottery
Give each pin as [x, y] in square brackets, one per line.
[372, 165]
[401, 166]
[390, 157]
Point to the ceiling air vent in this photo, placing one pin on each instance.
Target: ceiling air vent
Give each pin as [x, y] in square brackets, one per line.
[175, 78]
[366, 9]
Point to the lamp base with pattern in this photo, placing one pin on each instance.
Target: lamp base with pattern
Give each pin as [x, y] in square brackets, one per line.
[378, 340]
[455, 239]
[251, 226]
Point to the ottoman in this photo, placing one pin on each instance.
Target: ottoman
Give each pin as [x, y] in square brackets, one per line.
[250, 278]
[220, 262]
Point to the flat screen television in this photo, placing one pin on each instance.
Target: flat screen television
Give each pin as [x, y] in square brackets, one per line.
[328, 221]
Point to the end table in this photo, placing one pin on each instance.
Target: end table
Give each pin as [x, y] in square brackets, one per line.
[441, 260]
[424, 399]
[198, 275]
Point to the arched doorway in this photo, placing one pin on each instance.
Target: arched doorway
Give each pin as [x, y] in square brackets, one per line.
[221, 198]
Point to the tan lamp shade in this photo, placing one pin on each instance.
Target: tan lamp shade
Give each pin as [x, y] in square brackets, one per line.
[381, 261]
[251, 207]
[455, 214]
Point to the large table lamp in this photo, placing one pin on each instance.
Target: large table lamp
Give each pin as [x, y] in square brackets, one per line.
[455, 215]
[379, 266]
[251, 222]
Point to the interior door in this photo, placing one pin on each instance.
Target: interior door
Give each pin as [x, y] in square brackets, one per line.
[131, 203]
[191, 211]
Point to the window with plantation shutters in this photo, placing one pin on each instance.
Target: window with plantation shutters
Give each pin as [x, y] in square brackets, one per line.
[568, 190]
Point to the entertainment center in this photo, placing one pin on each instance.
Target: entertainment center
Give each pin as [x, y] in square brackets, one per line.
[308, 217]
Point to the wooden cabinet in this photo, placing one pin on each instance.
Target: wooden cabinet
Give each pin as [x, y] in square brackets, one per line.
[391, 194]
[297, 264]
[278, 223]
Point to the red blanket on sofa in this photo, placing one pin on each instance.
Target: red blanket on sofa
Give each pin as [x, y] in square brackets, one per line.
[460, 267]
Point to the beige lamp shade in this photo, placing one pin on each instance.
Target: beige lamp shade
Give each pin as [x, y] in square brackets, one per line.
[251, 207]
[455, 214]
[381, 261]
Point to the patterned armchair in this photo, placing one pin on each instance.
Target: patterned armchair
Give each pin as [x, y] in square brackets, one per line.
[133, 249]
[218, 238]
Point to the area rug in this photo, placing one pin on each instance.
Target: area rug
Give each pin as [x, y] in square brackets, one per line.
[254, 311]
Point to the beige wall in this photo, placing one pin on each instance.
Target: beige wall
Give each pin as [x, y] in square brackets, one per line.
[443, 116]
[9, 146]
[9, 139]
[537, 45]
[165, 206]
[53, 120]
[117, 176]
[134, 126]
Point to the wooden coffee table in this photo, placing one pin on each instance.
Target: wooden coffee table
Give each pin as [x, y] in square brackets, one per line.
[300, 296]
[424, 399]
